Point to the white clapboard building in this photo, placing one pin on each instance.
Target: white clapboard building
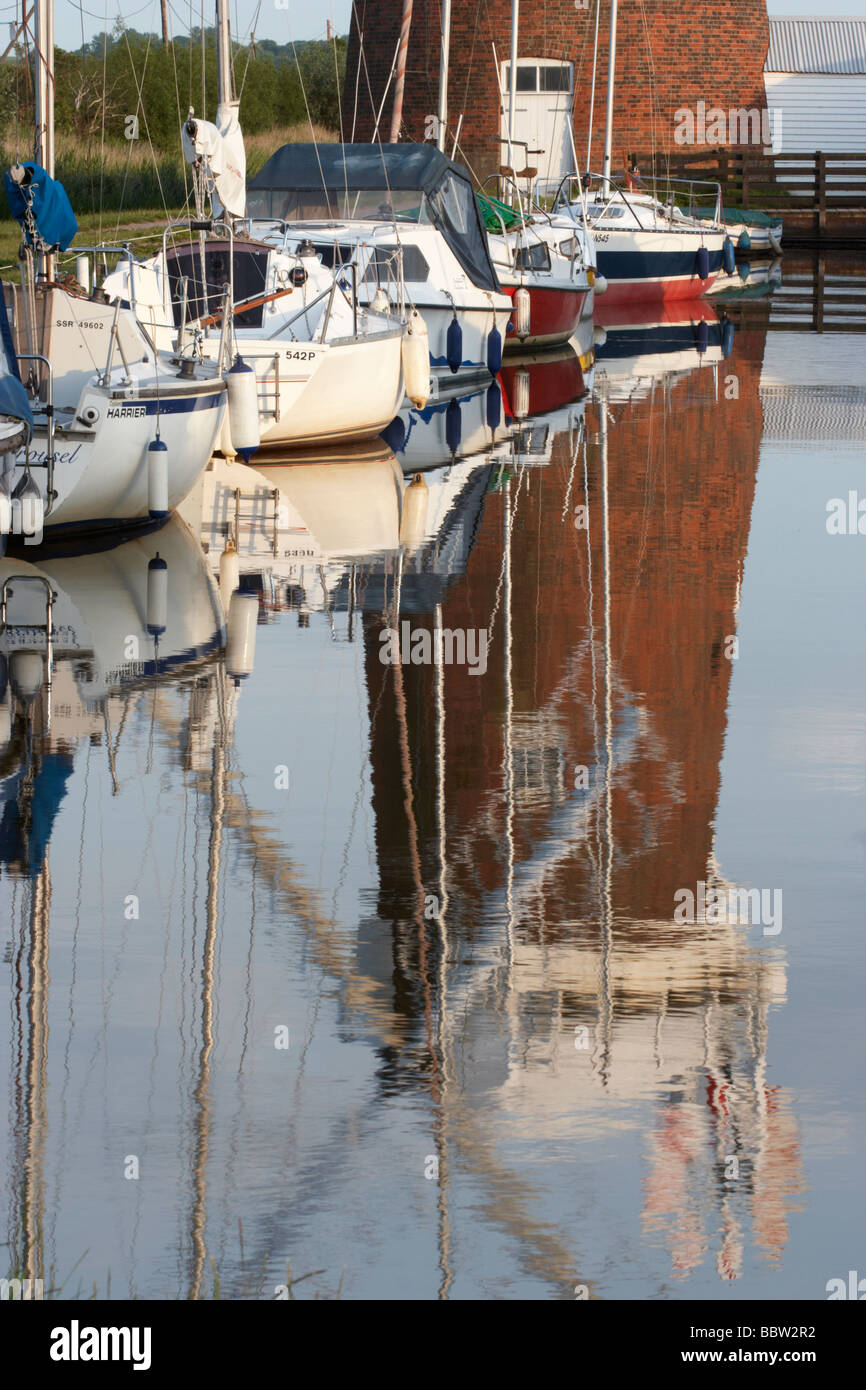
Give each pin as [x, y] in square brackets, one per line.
[815, 78]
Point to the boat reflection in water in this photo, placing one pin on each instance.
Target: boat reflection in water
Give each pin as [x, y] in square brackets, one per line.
[635, 350]
[503, 1046]
[94, 647]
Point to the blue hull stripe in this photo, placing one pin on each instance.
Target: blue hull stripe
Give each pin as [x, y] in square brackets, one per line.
[166, 405]
[652, 265]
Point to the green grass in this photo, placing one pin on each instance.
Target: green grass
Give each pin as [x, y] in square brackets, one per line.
[143, 228]
[136, 189]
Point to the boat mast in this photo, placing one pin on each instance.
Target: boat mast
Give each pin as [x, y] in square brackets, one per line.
[397, 113]
[44, 151]
[44, 135]
[443, 75]
[225, 76]
[608, 125]
[512, 79]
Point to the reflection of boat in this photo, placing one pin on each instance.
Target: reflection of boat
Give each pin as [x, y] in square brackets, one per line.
[458, 422]
[321, 534]
[633, 351]
[542, 384]
[749, 281]
[79, 633]
[118, 615]
[89, 643]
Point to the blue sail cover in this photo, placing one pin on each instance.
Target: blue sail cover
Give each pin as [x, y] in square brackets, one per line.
[46, 201]
[13, 397]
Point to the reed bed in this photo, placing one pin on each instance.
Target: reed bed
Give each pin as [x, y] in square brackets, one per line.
[125, 176]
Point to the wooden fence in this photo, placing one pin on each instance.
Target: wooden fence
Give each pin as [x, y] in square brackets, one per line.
[816, 184]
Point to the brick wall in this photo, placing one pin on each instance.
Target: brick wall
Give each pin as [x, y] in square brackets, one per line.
[668, 57]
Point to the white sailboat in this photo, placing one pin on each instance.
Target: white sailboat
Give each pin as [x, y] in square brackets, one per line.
[407, 216]
[547, 265]
[647, 248]
[118, 437]
[329, 365]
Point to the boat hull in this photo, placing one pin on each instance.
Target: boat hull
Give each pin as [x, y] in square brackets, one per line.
[476, 323]
[655, 265]
[554, 315]
[327, 391]
[101, 475]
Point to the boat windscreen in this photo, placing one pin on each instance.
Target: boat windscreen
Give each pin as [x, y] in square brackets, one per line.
[337, 205]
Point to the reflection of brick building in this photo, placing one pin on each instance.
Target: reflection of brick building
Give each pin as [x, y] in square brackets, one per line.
[532, 952]
[682, 473]
[667, 57]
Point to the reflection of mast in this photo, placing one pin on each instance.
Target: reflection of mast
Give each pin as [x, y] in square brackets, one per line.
[434, 1046]
[441, 1129]
[31, 1257]
[202, 1090]
[606, 845]
[508, 749]
[28, 1239]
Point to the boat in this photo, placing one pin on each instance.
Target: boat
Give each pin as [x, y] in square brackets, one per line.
[118, 437]
[407, 216]
[753, 233]
[649, 246]
[549, 272]
[547, 263]
[328, 366]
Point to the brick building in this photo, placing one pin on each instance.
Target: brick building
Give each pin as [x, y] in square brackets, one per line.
[669, 58]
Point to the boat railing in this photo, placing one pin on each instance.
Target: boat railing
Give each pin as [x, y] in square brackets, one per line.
[648, 188]
[328, 293]
[584, 181]
[666, 190]
[48, 410]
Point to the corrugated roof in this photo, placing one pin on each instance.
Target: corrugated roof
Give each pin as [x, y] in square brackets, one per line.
[817, 45]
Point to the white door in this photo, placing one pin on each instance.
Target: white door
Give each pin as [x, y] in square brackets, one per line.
[542, 120]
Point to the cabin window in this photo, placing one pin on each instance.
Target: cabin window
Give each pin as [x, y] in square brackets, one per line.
[332, 254]
[534, 257]
[383, 264]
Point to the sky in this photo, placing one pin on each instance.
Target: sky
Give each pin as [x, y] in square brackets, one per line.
[298, 19]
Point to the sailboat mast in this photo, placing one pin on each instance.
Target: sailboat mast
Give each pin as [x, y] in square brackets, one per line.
[45, 85]
[608, 124]
[442, 120]
[512, 79]
[225, 76]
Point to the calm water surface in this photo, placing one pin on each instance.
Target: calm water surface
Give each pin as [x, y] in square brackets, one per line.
[371, 972]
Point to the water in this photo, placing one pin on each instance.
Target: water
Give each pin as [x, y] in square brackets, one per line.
[371, 973]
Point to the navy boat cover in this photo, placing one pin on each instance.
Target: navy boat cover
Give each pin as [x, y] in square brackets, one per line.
[39, 197]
